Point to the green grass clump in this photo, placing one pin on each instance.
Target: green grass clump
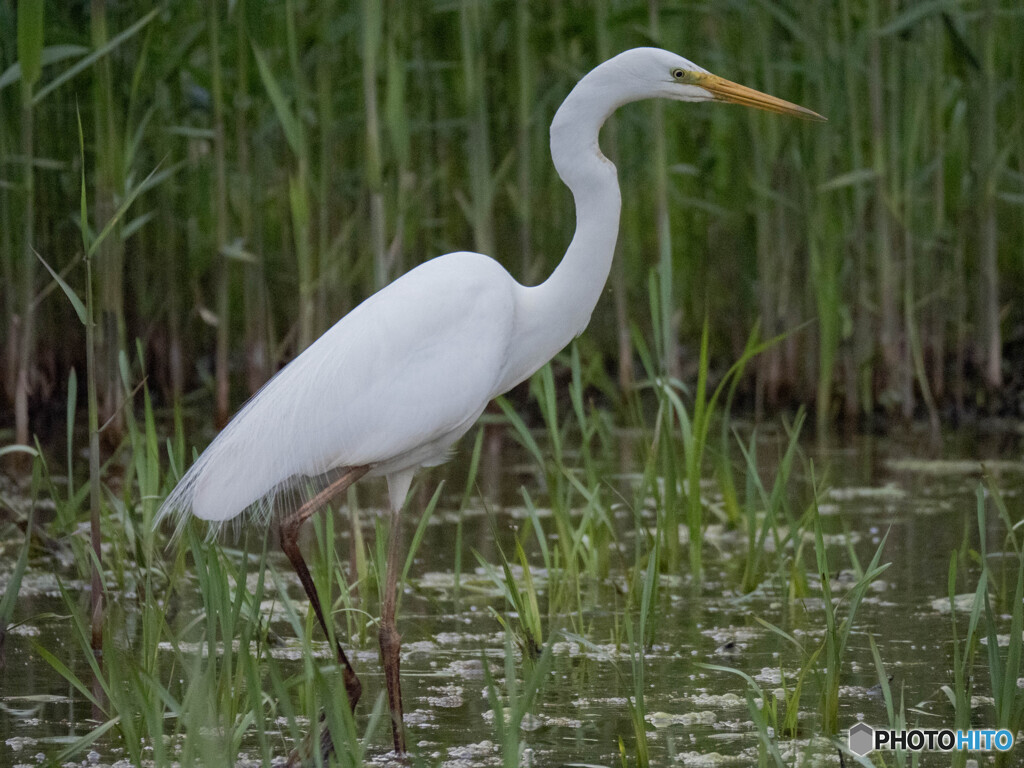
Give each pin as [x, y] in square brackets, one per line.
[837, 631]
[524, 600]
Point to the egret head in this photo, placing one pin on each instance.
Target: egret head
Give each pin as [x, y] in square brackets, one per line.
[640, 73]
[656, 73]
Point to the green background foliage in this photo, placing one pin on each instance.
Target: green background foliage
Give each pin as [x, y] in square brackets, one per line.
[306, 153]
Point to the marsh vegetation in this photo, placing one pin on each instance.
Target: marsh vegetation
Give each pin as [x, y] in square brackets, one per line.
[647, 553]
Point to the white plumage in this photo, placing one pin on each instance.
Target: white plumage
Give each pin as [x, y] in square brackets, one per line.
[392, 385]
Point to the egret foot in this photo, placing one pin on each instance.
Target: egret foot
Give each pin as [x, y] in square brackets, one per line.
[390, 646]
[303, 756]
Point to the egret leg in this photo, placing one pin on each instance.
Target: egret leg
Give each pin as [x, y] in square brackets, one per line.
[290, 544]
[390, 640]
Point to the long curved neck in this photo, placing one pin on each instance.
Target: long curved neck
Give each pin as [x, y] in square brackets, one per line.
[553, 313]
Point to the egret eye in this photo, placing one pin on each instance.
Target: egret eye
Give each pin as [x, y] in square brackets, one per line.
[678, 74]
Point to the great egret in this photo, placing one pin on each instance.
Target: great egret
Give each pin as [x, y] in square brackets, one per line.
[404, 375]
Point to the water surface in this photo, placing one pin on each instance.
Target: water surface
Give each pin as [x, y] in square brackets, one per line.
[922, 497]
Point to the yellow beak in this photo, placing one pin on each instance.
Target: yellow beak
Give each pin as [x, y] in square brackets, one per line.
[726, 90]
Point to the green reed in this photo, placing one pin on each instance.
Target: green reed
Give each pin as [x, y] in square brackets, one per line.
[764, 711]
[1004, 667]
[821, 664]
[325, 150]
[837, 631]
[221, 223]
[524, 600]
[322, 151]
[896, 719]
[30, 50]
[9, 599]
[787, 724]
[636, 705]
[768, 519]
[519, 699]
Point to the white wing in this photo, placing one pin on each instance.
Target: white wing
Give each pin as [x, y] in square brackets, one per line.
[409, 369]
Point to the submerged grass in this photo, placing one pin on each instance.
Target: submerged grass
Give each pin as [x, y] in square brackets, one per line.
[530, 634]
[519, 699]
[781, 713]
[768, 519]
[896, 719]
[1004, 667]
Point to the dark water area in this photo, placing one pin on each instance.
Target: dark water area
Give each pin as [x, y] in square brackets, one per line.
[922, 497]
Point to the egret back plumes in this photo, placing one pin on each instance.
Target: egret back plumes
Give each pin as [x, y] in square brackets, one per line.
[391, 385]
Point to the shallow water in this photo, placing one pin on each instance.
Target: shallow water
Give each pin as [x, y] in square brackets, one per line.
[924, 497]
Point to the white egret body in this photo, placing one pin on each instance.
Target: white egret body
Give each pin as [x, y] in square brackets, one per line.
[399, 379]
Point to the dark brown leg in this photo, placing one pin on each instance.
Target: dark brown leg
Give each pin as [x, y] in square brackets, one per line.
[390, 640]
[355, 542]
[290, 544]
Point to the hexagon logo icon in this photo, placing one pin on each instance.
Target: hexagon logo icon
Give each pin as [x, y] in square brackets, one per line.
[862, 739]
